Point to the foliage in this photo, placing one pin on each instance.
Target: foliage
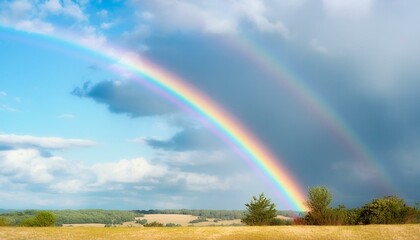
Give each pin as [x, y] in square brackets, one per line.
[42, 219]
[319, 200]
[76, 216]
[154, 224]
[172, 225]
[218, 214]
[3, 222]
[141, 221]
[94, 216]
[388, 210]
[199, 219]
[261, 211]
[280, 222]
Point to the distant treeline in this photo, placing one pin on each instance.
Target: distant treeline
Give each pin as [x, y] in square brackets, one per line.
[15, 217]
[217, 214]
[75, 216]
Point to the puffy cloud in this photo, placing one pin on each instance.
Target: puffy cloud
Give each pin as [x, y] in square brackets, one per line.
[29, 165]
[25, 166]
[201, 182]
[128, 171]
[67, 8]
[127, 97]
[212, 17]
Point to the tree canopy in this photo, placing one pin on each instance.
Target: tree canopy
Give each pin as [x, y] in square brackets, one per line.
[319, 200]
[261, 211]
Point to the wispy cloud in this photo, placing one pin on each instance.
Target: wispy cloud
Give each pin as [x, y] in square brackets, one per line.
[67, 116]
[21, 141]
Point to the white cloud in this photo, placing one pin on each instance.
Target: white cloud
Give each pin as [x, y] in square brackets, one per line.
[34, 25]
[69, 186]
[3, 94]
[20, 7]
[43, 142]
[103, 13]
[213, 16]
[106, 25]
[66, 116]
[318, 47]
[201, 182]
[29, 165]
[7, 108]
[128, 171]
[67, 8]
[348, 8]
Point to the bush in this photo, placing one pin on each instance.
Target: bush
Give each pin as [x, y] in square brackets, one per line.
[388, 210]
[42, 219]
[3, 222]
[154, 224]
[279, 222]
[141, 221]
[199, 219]
[172, 225]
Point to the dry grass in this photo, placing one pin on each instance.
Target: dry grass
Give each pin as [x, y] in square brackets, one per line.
[371, 232]
[184, 220]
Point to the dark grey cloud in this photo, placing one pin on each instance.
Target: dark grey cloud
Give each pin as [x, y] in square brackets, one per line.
[189, 139]
[126, 97]
[362, 63]
[380, 119]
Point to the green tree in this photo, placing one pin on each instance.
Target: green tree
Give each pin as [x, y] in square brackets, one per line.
[261, 211]
[388, 210]
[3, 222]
[42, 219]
[319, 200]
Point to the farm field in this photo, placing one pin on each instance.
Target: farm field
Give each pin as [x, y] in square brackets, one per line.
[184, 220]
[370, 232]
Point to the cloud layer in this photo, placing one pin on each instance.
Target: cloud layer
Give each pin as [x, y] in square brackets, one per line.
[358, 58]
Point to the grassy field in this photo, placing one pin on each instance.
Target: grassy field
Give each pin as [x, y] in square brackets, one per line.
[370, 232]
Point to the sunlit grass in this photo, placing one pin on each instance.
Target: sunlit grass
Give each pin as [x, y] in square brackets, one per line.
[371, 232]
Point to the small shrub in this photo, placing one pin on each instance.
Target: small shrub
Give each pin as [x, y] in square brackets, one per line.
[3, 222]
[154, 224]
[172, 225]
[279, 222]
[141, 221]
[199, 220]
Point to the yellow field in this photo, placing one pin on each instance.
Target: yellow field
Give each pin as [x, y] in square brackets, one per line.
[371, 232]
[184, 220]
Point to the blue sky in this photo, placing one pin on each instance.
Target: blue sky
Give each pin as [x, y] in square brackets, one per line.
[77, 132]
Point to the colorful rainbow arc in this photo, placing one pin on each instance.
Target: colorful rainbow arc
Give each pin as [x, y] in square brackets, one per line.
[271, 66]
[231, 128]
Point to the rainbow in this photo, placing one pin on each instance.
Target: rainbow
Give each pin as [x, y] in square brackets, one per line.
[360, 152]
[227, 125]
